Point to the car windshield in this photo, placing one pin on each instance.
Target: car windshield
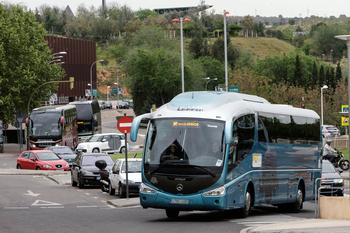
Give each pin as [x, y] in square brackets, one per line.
[90, 160]
[62, 150]
[133, 166]
[46, 156]
[327, 168]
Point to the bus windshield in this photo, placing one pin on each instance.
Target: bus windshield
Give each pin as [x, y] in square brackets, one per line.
[192, 142]
[45, 124]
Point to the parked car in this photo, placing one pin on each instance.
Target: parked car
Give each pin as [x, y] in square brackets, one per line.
[102, 104]
[333, 179]
[117, 177]
[64, 152]
[104, 143]
[329, 131]
[108, 104]
[123, 105]
[84, 170]
[41, 160]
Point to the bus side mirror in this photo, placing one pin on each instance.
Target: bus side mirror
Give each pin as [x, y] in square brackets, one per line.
[62, 120]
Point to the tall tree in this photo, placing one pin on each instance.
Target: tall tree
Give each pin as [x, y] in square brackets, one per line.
[321, 79]
[24, 66]
[297, 73]
[338, 74]
[314, 78]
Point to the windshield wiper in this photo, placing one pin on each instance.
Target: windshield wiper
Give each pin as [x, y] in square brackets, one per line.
[160, 166]
[203, 169]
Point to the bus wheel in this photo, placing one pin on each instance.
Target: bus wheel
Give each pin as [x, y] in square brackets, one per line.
[298, 204]
[95, 150]
[172, 213]
[122, 150]
[245, 211]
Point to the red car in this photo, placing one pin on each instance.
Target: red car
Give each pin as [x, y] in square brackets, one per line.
[41, 160]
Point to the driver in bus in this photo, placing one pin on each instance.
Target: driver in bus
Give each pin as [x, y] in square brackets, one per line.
[54, 130]
[215, 150]
[171, 154]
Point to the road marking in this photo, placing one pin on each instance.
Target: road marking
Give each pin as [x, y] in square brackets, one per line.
[90, 206]
[30, 193]
[44, 203]
[52, 207]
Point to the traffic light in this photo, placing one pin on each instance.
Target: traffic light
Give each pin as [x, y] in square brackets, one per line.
[71, 79]
[302, 105]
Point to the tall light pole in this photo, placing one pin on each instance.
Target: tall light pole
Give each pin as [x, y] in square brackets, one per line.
[107, 92]
[118, 85]
[208, 82]
[91, 77]
[324, 87]
[226, 79]
[182, 52]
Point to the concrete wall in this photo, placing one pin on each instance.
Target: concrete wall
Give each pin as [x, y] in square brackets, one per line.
[334, 207]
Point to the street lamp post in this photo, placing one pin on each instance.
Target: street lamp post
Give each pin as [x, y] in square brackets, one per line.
[324, 87]
[182, 53]
[118, 86]
[208, 82]
[226, 77]
[91, 77]
[107, 92]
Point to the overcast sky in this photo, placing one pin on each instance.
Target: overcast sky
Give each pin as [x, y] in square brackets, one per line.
[287, 8]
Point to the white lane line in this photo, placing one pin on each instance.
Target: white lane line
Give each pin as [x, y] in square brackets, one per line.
[52, 207]
[90, 206]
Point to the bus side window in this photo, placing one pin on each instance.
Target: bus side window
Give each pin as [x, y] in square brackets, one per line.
[246, 128]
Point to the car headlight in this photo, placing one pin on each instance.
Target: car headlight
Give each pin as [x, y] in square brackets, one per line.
[67, 164]
[58, 144]
[146, 189]
[86, 173]
[215, 192]
[47, 166]
[338, 180]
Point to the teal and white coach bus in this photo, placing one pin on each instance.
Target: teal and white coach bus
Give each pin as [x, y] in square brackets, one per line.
[234, 151]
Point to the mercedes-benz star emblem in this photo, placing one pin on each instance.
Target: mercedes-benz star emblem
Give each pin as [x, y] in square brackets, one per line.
[179, 187]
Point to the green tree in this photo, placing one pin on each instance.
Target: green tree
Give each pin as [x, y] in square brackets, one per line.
[321, 79]
[338, 75]
[298, 79]
[218, 51]
[248, 23]
[196, 45]
[25, 57]
[314, 77]
[213, 69]
[142, 14]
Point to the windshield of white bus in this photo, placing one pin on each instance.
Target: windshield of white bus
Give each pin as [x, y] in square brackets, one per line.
[45, 124]
[197, 142]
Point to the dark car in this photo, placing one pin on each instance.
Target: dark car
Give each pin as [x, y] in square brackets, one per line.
[64, 152]
[108, 104]
[123, 105]
[333, 180]
[84, 172]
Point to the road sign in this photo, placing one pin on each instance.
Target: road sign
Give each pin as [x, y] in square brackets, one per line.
[345, 120]
[124, 124]
[5, 126]
[233, 89]
[114, 90]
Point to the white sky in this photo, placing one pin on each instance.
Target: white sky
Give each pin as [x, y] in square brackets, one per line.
[288, 8]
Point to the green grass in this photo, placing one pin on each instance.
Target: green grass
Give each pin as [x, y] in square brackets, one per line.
[122, 156]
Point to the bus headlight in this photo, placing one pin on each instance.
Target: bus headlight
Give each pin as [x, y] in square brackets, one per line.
[145, 189]
[215, 192]
[338, 180]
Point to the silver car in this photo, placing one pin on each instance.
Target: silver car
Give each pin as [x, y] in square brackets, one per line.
[330, 131]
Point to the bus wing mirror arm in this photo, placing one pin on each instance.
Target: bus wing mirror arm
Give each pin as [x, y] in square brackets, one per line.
[228, 131]
[136, 124]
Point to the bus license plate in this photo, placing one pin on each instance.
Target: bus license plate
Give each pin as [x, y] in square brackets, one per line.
[178, 201]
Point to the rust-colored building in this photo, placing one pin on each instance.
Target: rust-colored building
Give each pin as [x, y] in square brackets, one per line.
[81, 54]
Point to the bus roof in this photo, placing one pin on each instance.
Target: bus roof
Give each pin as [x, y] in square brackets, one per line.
[224, 106]
[53, 108]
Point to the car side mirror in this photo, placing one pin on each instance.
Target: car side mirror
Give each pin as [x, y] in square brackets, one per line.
[104, 140]
[32, 159]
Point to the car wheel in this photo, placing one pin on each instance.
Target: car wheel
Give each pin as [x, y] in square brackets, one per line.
[121, 191]
[111, 190]
[122, 150]
[95, 150]
[74, 183]
[245, 211]
[172, 213]
[37, 168]
[80, 183]
[298, 204]
[19, 166]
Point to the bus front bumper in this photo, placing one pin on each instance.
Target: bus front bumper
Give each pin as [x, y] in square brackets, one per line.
[182, 202]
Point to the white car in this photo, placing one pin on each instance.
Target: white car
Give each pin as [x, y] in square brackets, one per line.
[100, 143]
[330, 131]
[117, 177]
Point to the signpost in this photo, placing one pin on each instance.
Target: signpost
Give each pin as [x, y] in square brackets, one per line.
[345, 119]
[124, 126]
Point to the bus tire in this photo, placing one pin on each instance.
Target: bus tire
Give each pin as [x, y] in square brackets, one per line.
[296, 206]
[245, 211]
[122, 150]
[172, 213]
[95, 150]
